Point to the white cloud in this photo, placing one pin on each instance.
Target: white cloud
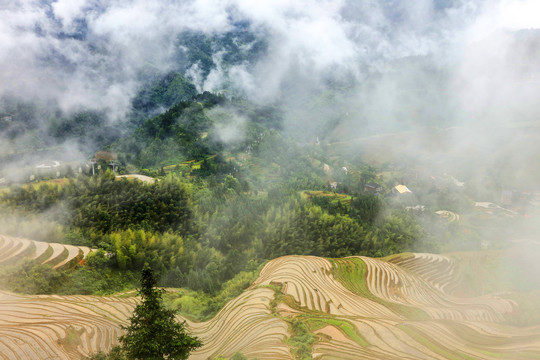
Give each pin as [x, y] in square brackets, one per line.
[307, 40]
[68, 10]
[504, 14]
[229, 127]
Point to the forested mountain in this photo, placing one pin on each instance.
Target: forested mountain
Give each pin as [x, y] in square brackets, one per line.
[233, 190]
[207, 142]
[237, 185]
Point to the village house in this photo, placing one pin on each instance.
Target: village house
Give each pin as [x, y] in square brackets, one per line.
[401, 189]
[373, 188]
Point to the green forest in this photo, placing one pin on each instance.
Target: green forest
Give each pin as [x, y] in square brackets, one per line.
[231, 190]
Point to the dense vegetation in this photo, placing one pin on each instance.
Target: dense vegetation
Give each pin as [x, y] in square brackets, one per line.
[201, 233]
[233, 190]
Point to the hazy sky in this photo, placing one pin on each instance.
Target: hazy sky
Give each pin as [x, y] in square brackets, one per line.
[44, 55]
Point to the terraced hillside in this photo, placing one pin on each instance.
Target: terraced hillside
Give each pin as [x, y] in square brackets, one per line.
[59, 327]
[13, 249]
[400, 307]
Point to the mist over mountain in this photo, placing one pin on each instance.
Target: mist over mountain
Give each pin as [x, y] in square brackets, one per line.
[446, 85]
[79, 75]
[208, 138]
[385, 64]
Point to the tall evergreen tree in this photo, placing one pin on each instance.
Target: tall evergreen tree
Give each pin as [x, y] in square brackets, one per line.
[154, 333]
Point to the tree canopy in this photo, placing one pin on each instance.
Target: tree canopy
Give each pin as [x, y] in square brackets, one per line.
[154, 332]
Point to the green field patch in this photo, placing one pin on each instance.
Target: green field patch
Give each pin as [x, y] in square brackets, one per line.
[56, 182]
[172, 167]
[187, 165]
[352, 272]
[72, 340]
[350, 331]
[334, 196]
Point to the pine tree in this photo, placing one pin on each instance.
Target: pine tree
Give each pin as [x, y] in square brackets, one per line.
[154, 332]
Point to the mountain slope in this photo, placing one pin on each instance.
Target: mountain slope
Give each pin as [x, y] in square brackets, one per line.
[350, 308]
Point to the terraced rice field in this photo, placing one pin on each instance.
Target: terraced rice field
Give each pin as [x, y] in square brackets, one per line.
[59, 327]
[399, 307]
[402, 308]
[72, 327]
[14, 249]
[448, 215]
[245, 324]
[335, 197]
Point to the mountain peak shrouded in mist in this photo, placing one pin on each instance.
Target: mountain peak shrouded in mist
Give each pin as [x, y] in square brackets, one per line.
[90, 52]
[337, 69]
[101, 54]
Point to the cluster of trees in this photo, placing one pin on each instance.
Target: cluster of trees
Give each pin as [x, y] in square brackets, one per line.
[191, 130]
[243, 205]
[163, 91]
[103, 204]
[308, 230]
[199, 233]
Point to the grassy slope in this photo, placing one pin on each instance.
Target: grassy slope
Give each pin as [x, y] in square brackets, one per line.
[351, 272]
